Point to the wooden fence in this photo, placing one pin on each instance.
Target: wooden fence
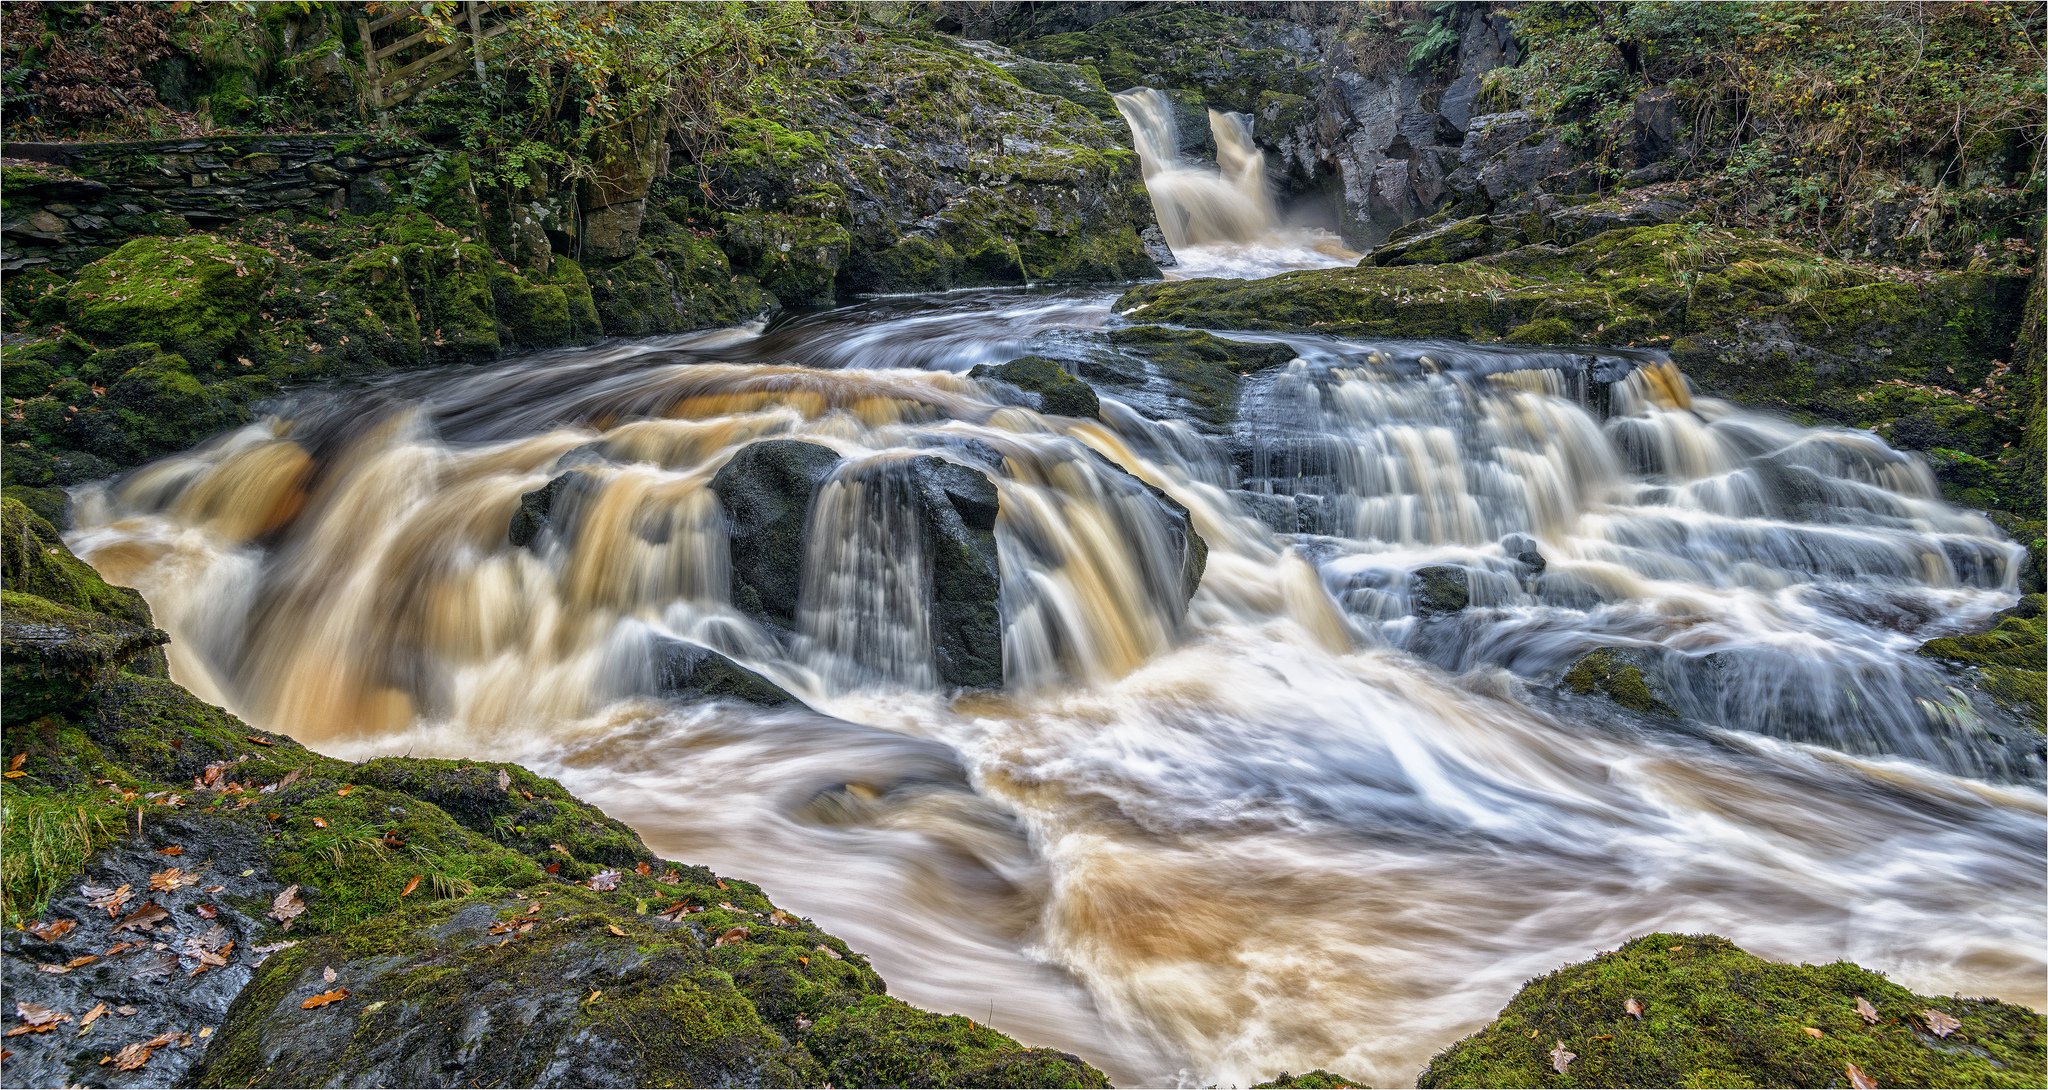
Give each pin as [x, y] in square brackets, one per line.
[413, 56]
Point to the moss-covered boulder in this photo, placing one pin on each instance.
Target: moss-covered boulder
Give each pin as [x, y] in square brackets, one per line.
[794, 257]
[193, 294]
[2005, 662]
[1201, 370]
[1696, 1010]
[1627, 676]
[1059, 393]
[34, 561]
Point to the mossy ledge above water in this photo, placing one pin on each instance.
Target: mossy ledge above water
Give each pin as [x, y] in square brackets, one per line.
[1712, 1014]
[446, 898]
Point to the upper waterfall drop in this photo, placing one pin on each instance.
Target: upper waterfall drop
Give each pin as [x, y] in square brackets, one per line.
[1219, 218]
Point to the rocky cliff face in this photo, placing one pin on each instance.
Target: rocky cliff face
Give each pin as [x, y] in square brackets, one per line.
[1370, 121]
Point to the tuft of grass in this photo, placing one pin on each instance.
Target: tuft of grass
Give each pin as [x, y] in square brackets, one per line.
[44, 839]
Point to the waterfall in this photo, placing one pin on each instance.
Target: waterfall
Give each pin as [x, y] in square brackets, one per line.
[1218, 218]
[1196, 840]
[1196, 203]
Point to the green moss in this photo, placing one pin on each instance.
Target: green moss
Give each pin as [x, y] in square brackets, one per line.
[1312, 1080]
[915, 263]
[154, 405]
[530, 314]
[883, 1042]
[1202, 369]
[795, 257]
[1608, 673]
[1714, 1015]
[1541, 331]
[55, 656]
[567, 275]
[2006, 659]
[193, 295]
[1060, 393]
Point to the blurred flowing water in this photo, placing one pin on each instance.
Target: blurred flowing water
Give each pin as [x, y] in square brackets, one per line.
[1303, 822]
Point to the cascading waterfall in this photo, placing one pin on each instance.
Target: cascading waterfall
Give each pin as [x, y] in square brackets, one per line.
[1295, 821]
[1218, 218]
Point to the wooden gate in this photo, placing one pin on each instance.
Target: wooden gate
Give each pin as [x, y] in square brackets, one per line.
[416, 54]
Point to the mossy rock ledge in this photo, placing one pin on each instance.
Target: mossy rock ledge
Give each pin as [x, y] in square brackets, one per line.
[1712, 1014]
[241, 910]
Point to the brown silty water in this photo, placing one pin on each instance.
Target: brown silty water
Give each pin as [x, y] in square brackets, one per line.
[1294, 822]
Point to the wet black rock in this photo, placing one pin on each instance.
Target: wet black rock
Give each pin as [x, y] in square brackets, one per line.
[537, 509]
[144, 969]
[957, 514]
[1524, 551]
[767, 490]
[1439, 589]
[683, 668]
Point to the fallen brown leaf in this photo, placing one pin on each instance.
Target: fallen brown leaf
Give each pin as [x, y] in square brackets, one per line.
[207, 912]
[1561, 1059]
[1864, 1008]
[75, 963]
[614, 929]
[1858, 1079]
[733, 937]
[324, 998]
[1942, 1024]
[109, 899]
[344, 789]
[35, 1014]
[410, 885]
[260, 740]
[1634, 1007]
[167, 881]
[53, 930]
[287, 906]
[172, 850]
[605, 880]
[91, 1016]
[642, 869]
[1812, 1032]
[143, 919]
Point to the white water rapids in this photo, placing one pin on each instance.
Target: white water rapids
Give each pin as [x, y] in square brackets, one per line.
[1300, 827]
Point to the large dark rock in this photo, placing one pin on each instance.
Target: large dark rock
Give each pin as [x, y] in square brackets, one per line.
[682, 668]
[767, 489]
[957, 513]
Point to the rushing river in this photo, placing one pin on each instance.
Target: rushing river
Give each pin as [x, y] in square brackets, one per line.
[1295, 825]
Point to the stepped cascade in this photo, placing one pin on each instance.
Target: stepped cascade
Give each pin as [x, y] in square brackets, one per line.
[1167, 729]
